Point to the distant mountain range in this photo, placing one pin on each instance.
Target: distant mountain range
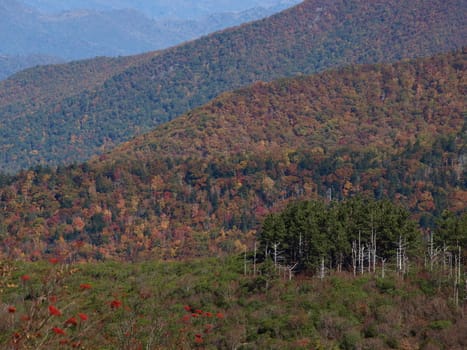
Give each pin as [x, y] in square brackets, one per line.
[90, 29]
[161, 9]
[67, 113]
[393, 131]
[9, 64]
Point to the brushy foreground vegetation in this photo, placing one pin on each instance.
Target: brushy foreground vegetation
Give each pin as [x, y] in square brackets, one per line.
[221, 304]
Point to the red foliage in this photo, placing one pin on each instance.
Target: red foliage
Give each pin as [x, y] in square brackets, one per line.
[115, 304]
[82, 316]
[71, 322]
[53, 261]
[84, 286]
[25, 278]
[187, 308]
[54, 311]
[11, 309]
[198, 339]
[57, 330]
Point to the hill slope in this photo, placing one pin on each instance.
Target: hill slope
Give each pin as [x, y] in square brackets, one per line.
[313, 36]
[396, 131]
[86, 32]
[180, 305]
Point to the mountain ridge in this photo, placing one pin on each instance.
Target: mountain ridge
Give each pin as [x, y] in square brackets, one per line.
[173, 81]
[86, 33]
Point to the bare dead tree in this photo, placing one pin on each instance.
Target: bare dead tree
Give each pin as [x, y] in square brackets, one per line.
[290, 269]
[276, 254]
[369, 260]
[362, 259]
[373, 245]
[401, 257]
[361, 253]
[354, 257]
[433, 252]
[322, 269]
[383, 261]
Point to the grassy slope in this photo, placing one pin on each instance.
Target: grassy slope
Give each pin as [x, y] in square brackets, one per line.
[315, 35]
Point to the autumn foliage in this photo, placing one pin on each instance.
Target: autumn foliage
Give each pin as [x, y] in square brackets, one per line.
[67, 113]
[203, 183]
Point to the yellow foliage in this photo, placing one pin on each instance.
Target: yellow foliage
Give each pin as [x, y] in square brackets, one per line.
[239, 246]
[268, 183]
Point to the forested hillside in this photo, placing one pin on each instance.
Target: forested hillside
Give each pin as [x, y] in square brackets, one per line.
[66, 124]
[203, 183]
[87, 30]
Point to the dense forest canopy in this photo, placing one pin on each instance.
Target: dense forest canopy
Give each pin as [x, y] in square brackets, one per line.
[307, 232]
[203, 183]
[83, 113]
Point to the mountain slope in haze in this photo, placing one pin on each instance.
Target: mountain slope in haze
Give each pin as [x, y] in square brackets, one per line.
[310, 37]
[161, 9]
[209, 177]
[86, 32]
[10, 64]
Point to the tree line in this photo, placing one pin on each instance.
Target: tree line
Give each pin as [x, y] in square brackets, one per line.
[355, 233]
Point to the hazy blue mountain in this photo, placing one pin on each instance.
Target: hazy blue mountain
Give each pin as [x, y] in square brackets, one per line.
[162, 9]
[33, 30]
[11, 64]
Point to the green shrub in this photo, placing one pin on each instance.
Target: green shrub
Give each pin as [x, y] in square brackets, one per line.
[440, 324]
[350, 340]
[386, 285]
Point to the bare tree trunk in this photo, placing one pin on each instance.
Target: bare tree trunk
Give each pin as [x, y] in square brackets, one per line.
[354, 257]
[321, 275]
[362, 257]
[290, 269]
[369, 260]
